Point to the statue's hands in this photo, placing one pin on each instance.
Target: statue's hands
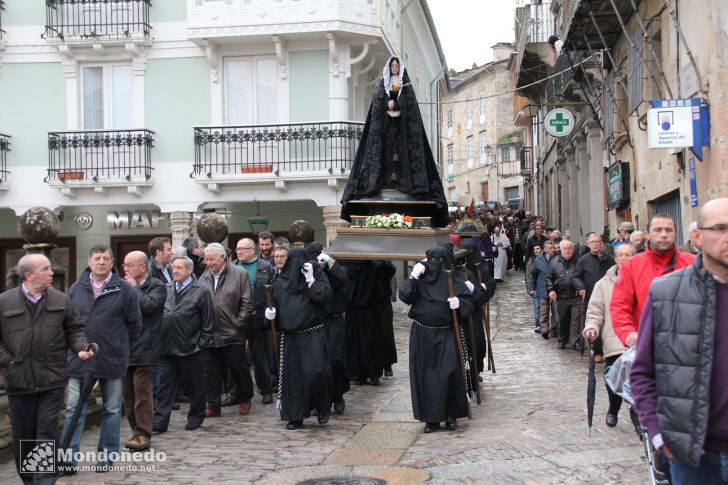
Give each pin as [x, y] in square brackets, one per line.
[390, 104]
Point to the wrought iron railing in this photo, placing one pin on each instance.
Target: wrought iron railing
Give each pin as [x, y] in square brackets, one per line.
[534, 23]
[100, 155]
[526, 157]
[568, 66]
[278, 149]
[4, 149]
[97, 19]
[2, 7]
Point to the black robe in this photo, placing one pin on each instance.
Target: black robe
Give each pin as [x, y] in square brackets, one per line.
[483, 296]
[383, 311]
[335, 325]
[364, 331]
[306, 376]
[382, 138]
[436, 380]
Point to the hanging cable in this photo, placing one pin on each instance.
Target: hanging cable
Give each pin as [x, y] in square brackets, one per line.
[586, 96]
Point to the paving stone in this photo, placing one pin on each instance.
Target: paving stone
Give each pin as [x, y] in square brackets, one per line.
[357, 456]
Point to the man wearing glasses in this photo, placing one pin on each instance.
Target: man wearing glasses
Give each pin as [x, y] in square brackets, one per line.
[661, 257]
[680, 367]
[258, 335]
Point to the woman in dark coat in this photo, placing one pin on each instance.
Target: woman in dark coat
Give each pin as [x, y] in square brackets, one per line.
[301, 293]
[438, 389]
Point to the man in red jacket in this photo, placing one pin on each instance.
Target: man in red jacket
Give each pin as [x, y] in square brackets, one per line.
[635, 277]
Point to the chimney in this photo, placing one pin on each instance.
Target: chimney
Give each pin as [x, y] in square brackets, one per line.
[502, 50]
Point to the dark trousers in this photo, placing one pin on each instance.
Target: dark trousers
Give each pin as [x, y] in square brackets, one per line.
[138, 402]
[191, 368]
[221, 362]
[569, 319]
[34, 417]
[547, 318]
[257, 341]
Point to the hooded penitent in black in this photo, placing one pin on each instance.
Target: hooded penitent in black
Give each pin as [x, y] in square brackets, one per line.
[335, 327]
[473, 261]
[305, 377]
[364, 331]
[436, 381]
[394, 152]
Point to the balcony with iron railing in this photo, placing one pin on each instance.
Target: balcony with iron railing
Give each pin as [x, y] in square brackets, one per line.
[526, 159]
[279, 153]
[98, 21]
[570, 66]
[100, 159]
[4, 149]
[534, 26]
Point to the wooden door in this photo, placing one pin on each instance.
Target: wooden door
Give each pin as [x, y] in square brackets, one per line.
[484, 191]
[123, 245]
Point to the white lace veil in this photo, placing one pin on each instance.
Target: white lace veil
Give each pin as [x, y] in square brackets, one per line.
[389, 79]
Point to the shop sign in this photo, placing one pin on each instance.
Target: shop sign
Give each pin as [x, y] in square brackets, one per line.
[693, 182]
[559, 122]
[671, 122]
[140, 219]
[617, 184]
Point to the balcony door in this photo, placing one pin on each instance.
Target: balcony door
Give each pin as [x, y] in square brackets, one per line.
[107, 97]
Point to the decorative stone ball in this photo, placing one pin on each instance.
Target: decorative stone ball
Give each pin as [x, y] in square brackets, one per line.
[39, 225]
[212, 227]
[300, 231]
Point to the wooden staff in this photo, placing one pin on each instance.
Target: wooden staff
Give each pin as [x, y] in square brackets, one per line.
[458, 339]
[473, 365]
[269, 302]
[486, 323]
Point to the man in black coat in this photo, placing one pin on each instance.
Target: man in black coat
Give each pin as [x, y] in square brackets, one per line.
[160, 254]
[260, 274]
[194, 251]
[186, 331]
[110, 308]
[36, 375]
[137, 387]
[591, 267]
[560, 282]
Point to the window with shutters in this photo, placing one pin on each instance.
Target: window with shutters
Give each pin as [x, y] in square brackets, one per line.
[634, 74]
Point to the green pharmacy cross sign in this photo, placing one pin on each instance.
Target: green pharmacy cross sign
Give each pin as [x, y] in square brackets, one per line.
[559, 122]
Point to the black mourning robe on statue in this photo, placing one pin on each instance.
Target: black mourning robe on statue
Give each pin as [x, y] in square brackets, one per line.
[305, 380]
[335, 325]
[394, 153]
[436, 380]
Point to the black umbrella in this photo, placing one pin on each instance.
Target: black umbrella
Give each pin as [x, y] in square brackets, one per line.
[591, 388]
[85, 391]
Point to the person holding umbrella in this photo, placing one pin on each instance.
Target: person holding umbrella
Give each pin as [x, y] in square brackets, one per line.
[599, 323]
[35, 397]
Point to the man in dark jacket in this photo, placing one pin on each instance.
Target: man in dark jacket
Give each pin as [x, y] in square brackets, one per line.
[258, 334]
[537, 239]
[591, 267]
[160, 255]
[538, 288]
[110, 308]
[193, 246]
[186, 331]
[137, 387]
[681, 363]
[561, 288]
[232, 301]
[36, 375]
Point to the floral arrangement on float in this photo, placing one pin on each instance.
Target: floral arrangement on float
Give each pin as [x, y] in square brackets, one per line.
[389, 221]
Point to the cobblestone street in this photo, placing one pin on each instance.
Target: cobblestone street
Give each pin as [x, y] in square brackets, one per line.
[531, 428]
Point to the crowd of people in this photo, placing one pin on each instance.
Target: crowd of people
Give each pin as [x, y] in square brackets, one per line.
[186, 324]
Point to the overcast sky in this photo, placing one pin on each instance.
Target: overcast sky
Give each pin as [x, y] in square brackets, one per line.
[468, 28]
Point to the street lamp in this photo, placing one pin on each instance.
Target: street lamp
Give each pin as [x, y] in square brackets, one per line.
[530, 109]
[258, 223]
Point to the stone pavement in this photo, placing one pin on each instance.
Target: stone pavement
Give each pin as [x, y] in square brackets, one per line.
[530, 429]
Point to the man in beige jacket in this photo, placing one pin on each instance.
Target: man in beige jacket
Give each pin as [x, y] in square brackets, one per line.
[598, 321]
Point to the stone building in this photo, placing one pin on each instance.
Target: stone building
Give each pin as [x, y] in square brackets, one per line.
[481, 150]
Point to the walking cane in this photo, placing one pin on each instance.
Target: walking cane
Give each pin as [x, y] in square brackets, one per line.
[486, 323]
[458, 339]
[471, 336]
[269, 302]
